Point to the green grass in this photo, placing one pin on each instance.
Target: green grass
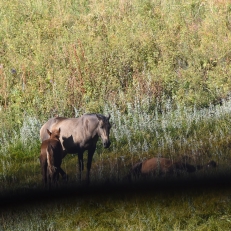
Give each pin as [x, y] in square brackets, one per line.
[111, 203]
[199, 135]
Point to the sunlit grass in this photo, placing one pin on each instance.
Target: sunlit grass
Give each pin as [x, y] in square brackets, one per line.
[83, 54]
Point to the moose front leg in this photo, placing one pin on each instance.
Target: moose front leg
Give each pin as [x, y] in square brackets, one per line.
[44, 169]
[89, 161]
[81, 167]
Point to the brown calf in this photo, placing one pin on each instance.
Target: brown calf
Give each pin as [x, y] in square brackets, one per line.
[163, 166]
[160, 166]
[51, 158]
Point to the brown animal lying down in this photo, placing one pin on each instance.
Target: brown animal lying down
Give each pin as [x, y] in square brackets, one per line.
[210, 165]
[51, 158]
[163, 166]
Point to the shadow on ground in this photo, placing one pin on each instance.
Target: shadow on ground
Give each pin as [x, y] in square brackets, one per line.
[143, 187]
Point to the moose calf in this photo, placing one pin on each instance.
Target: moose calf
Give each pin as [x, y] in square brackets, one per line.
[163, 166]
[51, 158]
[160, 166]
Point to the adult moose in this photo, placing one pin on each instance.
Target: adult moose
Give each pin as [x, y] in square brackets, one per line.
[80, 134]
[51, 158]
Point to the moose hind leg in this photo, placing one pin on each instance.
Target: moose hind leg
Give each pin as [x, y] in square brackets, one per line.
[81, 166]
[89, 161]
[49, 179]
[63, 174]
[44, 172]
[60, 170]
[55, 178]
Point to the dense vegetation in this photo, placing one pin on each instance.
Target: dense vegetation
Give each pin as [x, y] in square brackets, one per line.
[160, 68]
[57, 56]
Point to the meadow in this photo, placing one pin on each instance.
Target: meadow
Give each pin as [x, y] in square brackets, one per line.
[162, 71]
[200, 201]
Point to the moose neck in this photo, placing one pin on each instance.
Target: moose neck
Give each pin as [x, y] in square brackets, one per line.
[93, 128]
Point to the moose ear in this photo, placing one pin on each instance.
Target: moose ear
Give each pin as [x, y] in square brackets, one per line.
[109, 116]
[99, 116]
[48, 132]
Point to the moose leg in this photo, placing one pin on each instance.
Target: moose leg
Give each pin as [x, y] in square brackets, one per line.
[60, 170]
[49, 179]
[89, 161]
[81, 167]
[44, 174]
[55, 178]
[44, 178]
[43, 164]
[63, 174]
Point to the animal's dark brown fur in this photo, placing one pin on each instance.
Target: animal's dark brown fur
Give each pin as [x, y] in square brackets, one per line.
[159, 166]
[51, 158]
[210, 165]
[164, 166]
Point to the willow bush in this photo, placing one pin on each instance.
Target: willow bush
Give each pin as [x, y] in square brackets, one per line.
[59, 55]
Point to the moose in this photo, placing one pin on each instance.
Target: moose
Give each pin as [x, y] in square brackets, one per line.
[210, 165]
[160, 166]
[51, 158]
[78, 135]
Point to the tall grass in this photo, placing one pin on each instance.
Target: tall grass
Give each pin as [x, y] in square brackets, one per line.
[171, 123]
[174, 131]
[84, 54]
[137, 133]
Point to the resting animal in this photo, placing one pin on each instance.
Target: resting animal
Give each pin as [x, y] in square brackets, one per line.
[160, 166]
